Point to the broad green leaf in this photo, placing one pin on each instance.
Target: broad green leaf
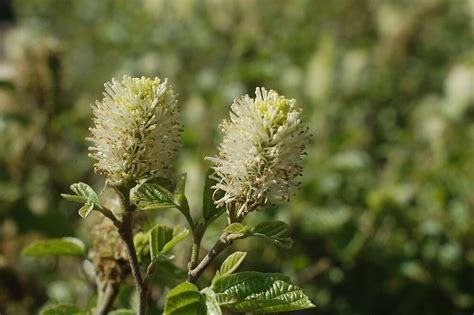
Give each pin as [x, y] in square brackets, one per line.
[86, 195]
[178, 236]
[210, 211]
[61, 309]
[259, 293]
[122, 311]
[237, 230]
[185, 299]
[230, 265]
[150, 196]
[67, 246]
[275, 231]
[159, 236]
[212, 306]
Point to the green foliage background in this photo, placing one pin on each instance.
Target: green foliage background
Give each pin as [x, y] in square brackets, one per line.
[384, 222]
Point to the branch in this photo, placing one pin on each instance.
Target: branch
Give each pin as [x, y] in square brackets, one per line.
[106, 298]
[219, 246]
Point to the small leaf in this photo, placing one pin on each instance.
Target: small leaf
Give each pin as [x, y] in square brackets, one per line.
[86, 195]
[275, 231]
[180, 197]
[230, 265]
[259, 293]
[67, 246]
[86, 209]
[210, 211]
[212, 306]
[151, 196]
[237, 230]
[61, 309]
[84, 190]
[159, 236]
[177, 237]
[74, 198]
[185, 299]
[122, 311]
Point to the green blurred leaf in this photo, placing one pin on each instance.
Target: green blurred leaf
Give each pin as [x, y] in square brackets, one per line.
[229, 265]
[178, 236]
[185, 299]
[159, 236]
[67, 246]
[164, 238]
[122, 312]
[151, 196]
[259, 293]
[275, 231]
[210, 211]
[61, 309]
[180, 198]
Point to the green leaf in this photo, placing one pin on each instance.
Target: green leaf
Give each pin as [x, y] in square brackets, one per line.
[86, 195]
[164, 238]
[275, 231]
[212, 306]
[67, 246]
[159, 236]
[122, 311]
[185, 299]
[86, 209]
[178, 236]
[61, 309]
[162, 181]
[180, 197]
[210, 211]
[230, 265]
[237, 230]
[150, 196]
[259, 293]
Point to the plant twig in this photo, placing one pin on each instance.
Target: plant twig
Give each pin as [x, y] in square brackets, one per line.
[126, 233]
[218, 247]
[107, 295]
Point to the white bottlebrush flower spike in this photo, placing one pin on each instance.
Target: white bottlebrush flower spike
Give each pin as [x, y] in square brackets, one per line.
[261, 153]
[137, 132]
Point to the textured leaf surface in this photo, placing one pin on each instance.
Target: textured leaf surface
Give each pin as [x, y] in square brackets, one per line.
[212, 307]
[67, 246]
[185, 299]
[210, 211]
[259, 293]
[86, 195]
[275, 231]
[230, 265]
[61, 309]
[150, 196]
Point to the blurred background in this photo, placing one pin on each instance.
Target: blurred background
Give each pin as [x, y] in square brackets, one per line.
[384, 222]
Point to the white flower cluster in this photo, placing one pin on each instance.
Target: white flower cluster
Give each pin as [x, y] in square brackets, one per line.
[137, 132]
[261, 153]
